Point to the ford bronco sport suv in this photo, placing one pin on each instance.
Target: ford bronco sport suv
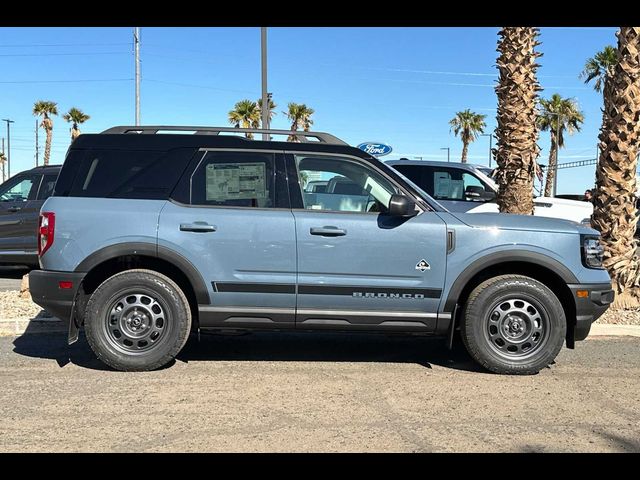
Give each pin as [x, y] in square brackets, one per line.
[152, 233]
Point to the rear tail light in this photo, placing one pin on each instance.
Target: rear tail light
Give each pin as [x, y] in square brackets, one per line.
[46, 230]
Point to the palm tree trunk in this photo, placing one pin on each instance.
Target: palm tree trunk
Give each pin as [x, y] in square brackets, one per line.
[294, 128]
[75, 133]
[551, 169]
[465, 148]
[614, 208]
[47, 146]
[517, 130]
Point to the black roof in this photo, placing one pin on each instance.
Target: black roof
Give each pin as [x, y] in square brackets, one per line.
[163, 142]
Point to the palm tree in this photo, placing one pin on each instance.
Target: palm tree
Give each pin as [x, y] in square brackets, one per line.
[467, 125]
[300, 116]
[3, 161]
[44, 109]
[245, 114]
[75, 116]
[517, 132]
[558, 114]
[614, 209]
[272, 111]
[600, 67]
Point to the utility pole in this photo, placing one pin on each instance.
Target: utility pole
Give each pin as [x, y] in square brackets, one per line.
[5, 159]
[37, 142]
[448, 153]
[136, 43]
[9, 122]
[265, 99]
[490, 135]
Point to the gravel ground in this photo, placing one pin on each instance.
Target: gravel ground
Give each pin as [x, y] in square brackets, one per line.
[275, 392]
[12, 306]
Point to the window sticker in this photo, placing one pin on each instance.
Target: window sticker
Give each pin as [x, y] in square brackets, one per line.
[442, 184]
[236, 181]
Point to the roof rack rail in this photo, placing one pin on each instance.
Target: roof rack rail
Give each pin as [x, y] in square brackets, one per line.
[320, 137]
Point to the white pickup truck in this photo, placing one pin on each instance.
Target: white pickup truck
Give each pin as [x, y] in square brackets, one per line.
[464, 187]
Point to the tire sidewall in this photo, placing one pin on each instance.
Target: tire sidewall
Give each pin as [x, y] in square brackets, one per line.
[177, 320]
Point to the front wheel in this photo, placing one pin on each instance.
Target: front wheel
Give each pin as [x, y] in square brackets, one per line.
[137, 320]
[513, 324]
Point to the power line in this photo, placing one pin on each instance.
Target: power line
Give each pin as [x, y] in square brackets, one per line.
[68, 81]
[201, 86]
[60, 54]
[20, 45]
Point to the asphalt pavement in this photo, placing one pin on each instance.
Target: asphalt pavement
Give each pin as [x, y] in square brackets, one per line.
[321, 392]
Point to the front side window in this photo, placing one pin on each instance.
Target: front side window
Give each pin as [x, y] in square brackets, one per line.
[234, 179]
[455, 184]
[17, 189]
[342, 185]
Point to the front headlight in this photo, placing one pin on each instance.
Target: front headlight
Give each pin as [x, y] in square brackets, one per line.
[592, 251]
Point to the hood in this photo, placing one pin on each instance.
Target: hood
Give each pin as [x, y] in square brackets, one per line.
[511, 221]
[565, 202]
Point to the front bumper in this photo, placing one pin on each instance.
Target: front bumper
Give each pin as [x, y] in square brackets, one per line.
[590, 307]
[45, 290]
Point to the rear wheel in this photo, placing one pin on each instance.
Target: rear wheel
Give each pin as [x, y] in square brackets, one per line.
[513, 324]
[137, 320]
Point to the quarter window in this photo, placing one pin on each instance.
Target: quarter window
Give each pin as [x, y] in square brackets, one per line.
[342, 185]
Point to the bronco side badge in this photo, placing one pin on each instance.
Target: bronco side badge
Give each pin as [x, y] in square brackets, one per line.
[422, 265]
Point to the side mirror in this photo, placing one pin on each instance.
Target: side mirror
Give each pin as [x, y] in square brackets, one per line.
[474, 191]
[401, 206]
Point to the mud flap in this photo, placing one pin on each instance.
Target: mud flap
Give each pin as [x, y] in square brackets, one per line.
[74, 328]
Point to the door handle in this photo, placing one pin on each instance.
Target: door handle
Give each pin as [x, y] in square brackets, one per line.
[202, 227]
[14, 209]
[328, 231]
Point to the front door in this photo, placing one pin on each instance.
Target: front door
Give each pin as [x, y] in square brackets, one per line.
[358, 267]
[235, 226]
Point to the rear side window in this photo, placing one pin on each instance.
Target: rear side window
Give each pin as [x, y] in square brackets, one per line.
[46, 187]
[234, 179]
[137, 174]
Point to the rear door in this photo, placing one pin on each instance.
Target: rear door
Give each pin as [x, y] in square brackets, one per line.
[17, 210]
[358, 267]
[230, 217]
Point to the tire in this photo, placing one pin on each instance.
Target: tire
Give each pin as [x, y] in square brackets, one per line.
[137, 320]
[513, 324]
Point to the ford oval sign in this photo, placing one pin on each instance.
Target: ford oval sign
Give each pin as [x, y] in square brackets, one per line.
[375, 149]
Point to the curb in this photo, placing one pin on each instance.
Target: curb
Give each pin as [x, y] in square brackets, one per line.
[614, 330]
[19, 326]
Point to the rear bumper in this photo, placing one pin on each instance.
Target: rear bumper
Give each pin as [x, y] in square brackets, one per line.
[45, 290]
[589, 308]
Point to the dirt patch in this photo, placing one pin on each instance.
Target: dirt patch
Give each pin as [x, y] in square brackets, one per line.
[621, 317]
[12, 305]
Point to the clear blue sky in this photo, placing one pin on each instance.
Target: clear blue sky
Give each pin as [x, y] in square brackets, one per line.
[394, 85]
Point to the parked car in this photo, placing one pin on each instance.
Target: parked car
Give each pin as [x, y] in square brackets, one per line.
[464, 187]
[149, 236]
[20, 200]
